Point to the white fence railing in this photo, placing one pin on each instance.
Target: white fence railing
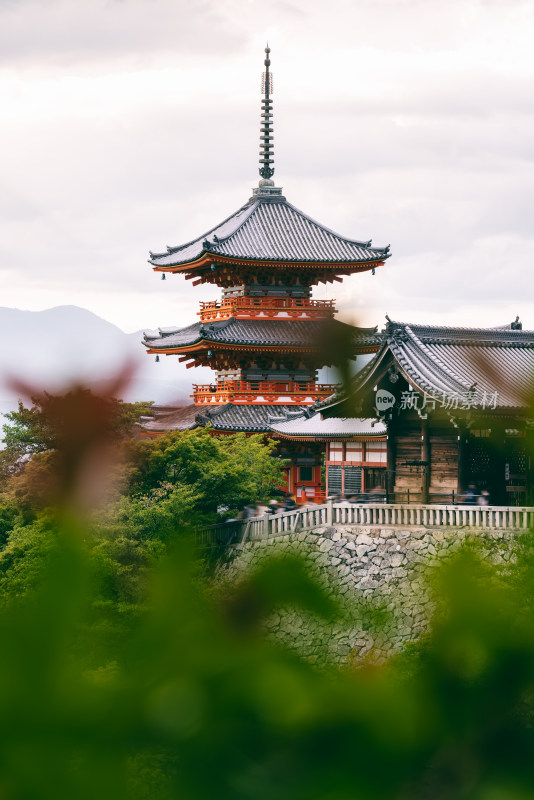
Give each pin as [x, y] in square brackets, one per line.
[501, 517]
[373, 514]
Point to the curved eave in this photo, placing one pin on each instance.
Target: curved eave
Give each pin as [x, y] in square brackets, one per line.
[206, 344]
[208, 258]
[369, 370]
[319, 437]
[416, 381]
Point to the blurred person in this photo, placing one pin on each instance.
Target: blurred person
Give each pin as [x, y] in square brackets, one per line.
[483, 498]
[377, 495]
[471, 494]
[274, 506]
[289, 503]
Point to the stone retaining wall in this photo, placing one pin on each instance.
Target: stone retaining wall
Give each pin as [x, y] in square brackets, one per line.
[388, 565]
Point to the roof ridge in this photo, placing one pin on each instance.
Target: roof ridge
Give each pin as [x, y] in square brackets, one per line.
[460, 328]
[283, 201]
[214, 412]
[433, 358]
[340, 394]
[170, 250]
[252, 201]
[357, 242]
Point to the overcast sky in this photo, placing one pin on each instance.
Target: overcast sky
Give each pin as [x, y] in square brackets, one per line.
[129, 125]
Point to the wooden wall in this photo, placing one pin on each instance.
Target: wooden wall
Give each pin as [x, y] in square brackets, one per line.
[416, 442]
[408, 449]
[444, 453]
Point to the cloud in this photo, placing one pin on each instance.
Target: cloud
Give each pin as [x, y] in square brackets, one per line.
[62, 32]
[128, 126]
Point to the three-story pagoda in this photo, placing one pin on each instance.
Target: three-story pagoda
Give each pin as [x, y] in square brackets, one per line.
[265, 338]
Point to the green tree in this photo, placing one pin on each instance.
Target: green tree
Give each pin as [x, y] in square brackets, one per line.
[222, 470]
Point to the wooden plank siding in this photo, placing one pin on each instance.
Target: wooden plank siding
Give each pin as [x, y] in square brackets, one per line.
[417, 442]
[408, 449]
[443, 462]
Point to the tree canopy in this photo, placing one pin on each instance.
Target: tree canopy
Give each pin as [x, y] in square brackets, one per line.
[223, 470]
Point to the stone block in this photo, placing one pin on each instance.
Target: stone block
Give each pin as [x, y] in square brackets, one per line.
[368, 583]
[326, 544]
[418, 533]
[414, 544]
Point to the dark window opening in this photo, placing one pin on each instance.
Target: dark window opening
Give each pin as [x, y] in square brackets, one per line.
[305, 473]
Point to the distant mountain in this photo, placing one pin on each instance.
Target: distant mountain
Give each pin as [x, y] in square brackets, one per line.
[52, 349]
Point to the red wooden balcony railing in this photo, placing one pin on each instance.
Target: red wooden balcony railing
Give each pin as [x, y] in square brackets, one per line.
[296, 392]
[267, 307]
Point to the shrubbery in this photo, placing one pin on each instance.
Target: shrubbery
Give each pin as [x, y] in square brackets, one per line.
[123, 675]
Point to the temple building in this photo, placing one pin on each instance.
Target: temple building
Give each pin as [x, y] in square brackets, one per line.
[436, 413]
[453, 409]
[266, 338]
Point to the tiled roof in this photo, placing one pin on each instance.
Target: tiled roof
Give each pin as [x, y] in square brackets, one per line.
[452, 361]
[172, 419]
[449, 360]
[291, 333]
[316, 426]
[271, 229]
[288, 421]
[249, 418]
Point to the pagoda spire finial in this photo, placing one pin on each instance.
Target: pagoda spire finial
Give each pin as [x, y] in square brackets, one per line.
[266, 138]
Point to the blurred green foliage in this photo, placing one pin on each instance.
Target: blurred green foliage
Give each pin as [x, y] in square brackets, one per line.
[122, 679]
[125, 675]
[35, 429]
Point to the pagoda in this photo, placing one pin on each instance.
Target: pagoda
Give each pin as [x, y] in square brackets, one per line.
[266, 338]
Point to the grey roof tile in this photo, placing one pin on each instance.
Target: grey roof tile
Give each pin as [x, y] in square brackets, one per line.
[182, 418]
[452, 361]
[329, 428]
[271, 229]
[285, 420]
[248, 418]
[275, 332]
